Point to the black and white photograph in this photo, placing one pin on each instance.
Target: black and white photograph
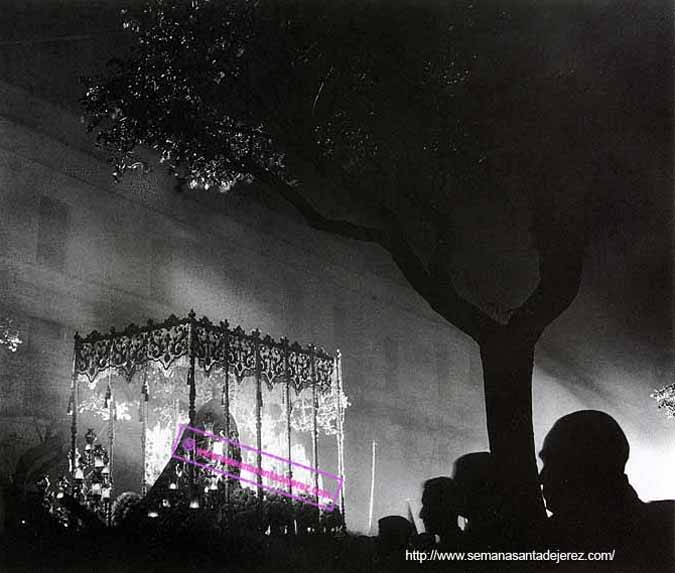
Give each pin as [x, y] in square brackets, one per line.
[357, 286]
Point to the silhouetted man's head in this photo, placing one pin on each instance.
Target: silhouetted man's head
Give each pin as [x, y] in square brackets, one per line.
[482, 495]
[440, 502]
[584, 457]
[394, 533]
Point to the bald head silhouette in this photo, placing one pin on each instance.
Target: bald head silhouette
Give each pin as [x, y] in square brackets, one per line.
[394, 533]
[584, 456]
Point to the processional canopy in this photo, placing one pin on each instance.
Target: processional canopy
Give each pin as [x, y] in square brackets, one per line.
[143, 383]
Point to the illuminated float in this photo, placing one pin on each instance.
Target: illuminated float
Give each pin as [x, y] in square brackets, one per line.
[138, 387]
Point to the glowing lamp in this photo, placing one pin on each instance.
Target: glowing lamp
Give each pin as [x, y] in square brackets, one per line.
[153, 514]
[194, 504]
[96, 489]
[79, 475]
[105, 492]
[172, 485]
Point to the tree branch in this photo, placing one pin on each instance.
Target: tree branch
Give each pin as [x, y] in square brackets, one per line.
[560, 273]
[436, 288]
[312, 216]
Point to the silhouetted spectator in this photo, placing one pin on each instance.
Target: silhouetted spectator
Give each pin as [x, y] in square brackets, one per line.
[358, 553]
[440, 509]
[594, 507]
[483, 504]
[394, 534]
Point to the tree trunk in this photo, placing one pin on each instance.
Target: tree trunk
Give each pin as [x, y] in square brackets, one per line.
[508, 360]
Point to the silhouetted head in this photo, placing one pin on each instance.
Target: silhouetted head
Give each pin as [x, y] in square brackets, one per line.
[584, 457]
[482, 497]
[394, 533]
[440, 506]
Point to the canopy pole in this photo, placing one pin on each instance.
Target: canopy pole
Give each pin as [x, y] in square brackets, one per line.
[258, 423]
[111, 417]
[226, 404]
[191, 369]
[192, 396]
[73, 410]
[144, 421]
[340, 434]
[289, 471]
[315, 432]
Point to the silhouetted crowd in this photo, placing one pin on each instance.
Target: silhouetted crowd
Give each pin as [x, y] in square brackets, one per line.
[593, 509]
[593, 512]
